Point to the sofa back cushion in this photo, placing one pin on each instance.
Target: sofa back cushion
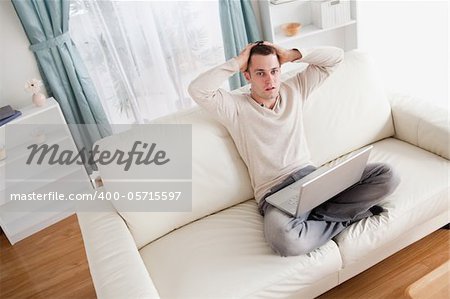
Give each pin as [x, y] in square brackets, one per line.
[219, 176]
[348, 111]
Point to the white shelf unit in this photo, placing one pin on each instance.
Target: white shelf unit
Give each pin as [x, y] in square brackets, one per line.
[274, 15]
[18, 223]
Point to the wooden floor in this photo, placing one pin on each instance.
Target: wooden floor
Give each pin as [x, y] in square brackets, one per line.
[52, 264]
[49, 264]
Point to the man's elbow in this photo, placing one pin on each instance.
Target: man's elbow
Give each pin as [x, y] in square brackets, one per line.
[194, 90]
[198, 93]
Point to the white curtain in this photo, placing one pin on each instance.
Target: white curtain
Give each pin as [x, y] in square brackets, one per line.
[143, 54]
[409, 41]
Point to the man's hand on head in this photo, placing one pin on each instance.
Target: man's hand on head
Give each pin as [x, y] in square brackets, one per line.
[285, 55]
[243, 57]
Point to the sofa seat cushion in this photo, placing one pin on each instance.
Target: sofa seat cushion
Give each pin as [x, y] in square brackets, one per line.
[225, 256]
[423, 194]
[216, 165]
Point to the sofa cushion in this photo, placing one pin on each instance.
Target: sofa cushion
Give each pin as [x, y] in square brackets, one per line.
[423, 193]
[421, 123]
[219, 176]
[348, 111]
[116, 267]
[225, 256]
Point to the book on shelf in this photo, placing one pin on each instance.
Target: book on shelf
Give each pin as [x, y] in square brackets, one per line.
[6, 111]
[5, 120]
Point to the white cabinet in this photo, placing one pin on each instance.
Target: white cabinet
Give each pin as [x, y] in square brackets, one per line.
[341, 33]
[40, 126]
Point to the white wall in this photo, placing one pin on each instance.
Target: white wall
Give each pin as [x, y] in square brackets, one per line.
[17, 62]
[409, 41]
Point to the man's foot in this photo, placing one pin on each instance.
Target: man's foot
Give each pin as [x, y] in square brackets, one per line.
[373, 211]
[376, 210]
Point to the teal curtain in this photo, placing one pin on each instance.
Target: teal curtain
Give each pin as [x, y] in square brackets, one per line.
[238, 29]
[46, 24]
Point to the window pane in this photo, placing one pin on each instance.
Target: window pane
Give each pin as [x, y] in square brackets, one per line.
[142, 55]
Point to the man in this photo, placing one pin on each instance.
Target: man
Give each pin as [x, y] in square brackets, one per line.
[267, 128]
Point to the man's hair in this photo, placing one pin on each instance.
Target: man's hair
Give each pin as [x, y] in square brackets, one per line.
[261, 49]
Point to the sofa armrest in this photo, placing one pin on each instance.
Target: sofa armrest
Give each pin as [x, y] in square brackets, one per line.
[115, 264]
[421, 124]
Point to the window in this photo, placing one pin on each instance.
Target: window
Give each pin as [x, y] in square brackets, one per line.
[142, 55]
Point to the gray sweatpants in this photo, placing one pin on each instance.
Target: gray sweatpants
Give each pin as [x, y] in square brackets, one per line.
[288, 235]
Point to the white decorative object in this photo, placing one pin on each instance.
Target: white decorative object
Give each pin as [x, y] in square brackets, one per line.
[34, 87]
[39, 99]
[330, 13]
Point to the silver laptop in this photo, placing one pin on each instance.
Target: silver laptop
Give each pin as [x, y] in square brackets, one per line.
[322, 184]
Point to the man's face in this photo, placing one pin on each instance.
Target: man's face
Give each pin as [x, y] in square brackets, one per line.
[264, 76]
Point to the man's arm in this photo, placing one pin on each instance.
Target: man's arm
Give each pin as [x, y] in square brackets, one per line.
[322, 62]
[206, 91]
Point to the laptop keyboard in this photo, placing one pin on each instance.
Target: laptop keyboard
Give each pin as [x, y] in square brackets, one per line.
[291, 204]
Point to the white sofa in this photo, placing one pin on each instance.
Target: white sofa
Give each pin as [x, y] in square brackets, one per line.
[218, 250]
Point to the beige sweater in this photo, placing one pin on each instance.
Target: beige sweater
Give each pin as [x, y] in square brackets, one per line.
[270, 141]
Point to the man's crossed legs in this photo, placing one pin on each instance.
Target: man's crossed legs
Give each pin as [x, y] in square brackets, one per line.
[288, 235]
